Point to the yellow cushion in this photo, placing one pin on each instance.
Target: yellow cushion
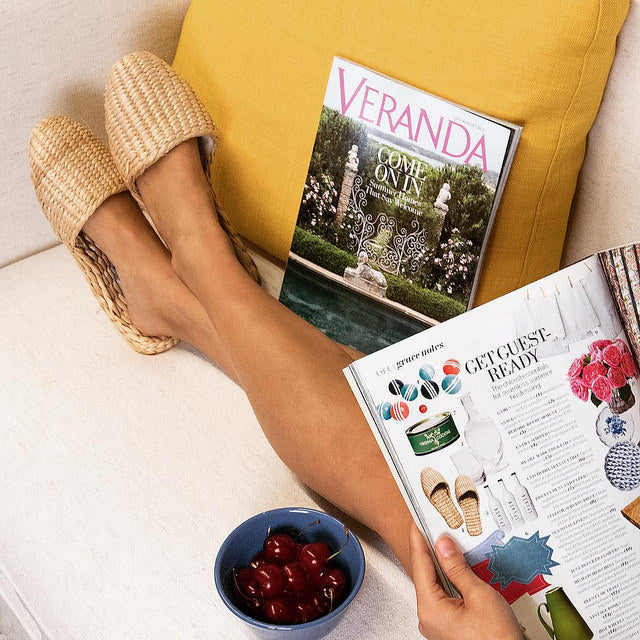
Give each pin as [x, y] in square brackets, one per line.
[261, 67]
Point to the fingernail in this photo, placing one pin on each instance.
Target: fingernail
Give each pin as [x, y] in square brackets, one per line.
[446, 546]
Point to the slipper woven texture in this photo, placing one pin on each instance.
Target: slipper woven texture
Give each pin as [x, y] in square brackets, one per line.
[73, 174]
[436, 489]
[149, 110]
[469, 501]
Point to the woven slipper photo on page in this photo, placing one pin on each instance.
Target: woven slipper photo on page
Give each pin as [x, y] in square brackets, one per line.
[469, 501]
[437, 491]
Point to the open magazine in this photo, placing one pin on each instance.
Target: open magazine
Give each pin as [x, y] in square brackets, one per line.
[514, 429]
[397, 205]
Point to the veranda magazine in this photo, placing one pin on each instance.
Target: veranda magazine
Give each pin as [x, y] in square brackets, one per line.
[399, 199]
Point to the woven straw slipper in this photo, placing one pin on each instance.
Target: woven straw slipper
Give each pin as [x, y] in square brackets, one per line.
[436, 489]
[469, 501]
[73, 174]
[150, 109]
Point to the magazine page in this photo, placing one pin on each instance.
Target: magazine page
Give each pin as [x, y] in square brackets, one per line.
[514, 429]
[398, 202]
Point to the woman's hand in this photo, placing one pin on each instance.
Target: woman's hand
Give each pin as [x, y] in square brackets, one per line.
[481, 614]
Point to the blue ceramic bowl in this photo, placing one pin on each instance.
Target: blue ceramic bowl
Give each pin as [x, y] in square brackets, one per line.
[247, 539]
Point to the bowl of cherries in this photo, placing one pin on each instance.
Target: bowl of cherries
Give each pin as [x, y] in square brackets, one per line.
[290, 573]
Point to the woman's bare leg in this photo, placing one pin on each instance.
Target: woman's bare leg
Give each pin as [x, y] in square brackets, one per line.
[291, 372]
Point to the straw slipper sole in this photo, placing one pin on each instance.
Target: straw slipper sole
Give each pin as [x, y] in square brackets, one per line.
[436, 489]
[73, 174]
[150, 109]
[469, 501]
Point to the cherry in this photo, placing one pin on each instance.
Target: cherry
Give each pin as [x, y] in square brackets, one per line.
[295, 577]
[270, 579]
[321, 604]
[247, 582]
[254, 606]
[305, 610]
[333, 582]
[290, 582]
[258, 560]
[315, 576]
[279, 610]
[280, 548]
[314, 555]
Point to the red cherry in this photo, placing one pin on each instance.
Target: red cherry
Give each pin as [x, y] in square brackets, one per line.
[314, 577]
[280, 548]
[321, 604]
[305, 610]
[314, 555]
[270, 579]
[254, 607]
[279, 610]
[333, 582]
[258, 560]
[295, 577]
[246, 579]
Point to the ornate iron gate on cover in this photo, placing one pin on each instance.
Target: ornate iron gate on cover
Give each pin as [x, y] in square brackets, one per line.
[400, 245]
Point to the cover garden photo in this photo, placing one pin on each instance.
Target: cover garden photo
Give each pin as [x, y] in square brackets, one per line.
[399, 198]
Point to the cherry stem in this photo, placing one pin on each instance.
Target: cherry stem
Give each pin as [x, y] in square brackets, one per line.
[305, 528]
[346, 542]
[238, 587]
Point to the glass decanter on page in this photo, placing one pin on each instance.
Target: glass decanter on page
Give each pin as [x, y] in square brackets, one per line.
[483, 437]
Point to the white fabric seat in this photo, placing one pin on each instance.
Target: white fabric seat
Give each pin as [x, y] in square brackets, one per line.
[122, 474]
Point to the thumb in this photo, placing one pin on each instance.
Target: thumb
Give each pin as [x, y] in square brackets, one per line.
[455, 566]
[423, 571]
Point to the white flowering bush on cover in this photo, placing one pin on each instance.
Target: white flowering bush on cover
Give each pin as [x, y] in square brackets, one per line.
[454, 265]
[318, 209]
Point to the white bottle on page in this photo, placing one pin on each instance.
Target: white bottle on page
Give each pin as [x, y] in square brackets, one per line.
[498, 513]
[510, 504]
[524, 499]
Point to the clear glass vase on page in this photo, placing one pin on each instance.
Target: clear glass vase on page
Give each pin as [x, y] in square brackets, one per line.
[483, 437]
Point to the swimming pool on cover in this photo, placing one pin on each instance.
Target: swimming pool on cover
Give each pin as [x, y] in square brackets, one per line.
[342, 314]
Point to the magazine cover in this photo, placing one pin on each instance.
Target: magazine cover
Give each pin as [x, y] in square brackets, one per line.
[399, 198]
[514, 429]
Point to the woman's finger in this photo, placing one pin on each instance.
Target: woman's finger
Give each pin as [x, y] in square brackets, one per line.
[454, 564]
[423, 570]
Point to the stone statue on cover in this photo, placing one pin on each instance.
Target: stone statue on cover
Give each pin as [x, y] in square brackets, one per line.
[365, 277]
[353, 160]
[443, 197]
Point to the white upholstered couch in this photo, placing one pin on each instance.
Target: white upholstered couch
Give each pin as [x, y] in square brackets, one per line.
[120, 474]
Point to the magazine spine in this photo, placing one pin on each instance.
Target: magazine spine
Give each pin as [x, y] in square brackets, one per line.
[368, 408]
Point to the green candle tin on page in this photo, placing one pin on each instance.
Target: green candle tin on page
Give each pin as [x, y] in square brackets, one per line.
[432, 433]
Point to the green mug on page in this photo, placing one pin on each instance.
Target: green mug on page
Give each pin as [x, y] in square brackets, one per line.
[566, 622]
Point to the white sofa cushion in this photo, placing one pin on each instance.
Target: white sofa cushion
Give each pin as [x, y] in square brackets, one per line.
[607, 200]
[122, 474]
[53, 60]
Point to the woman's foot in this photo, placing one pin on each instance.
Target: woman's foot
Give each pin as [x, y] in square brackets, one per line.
[159, 303]
[142, 263]
[177, 196]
